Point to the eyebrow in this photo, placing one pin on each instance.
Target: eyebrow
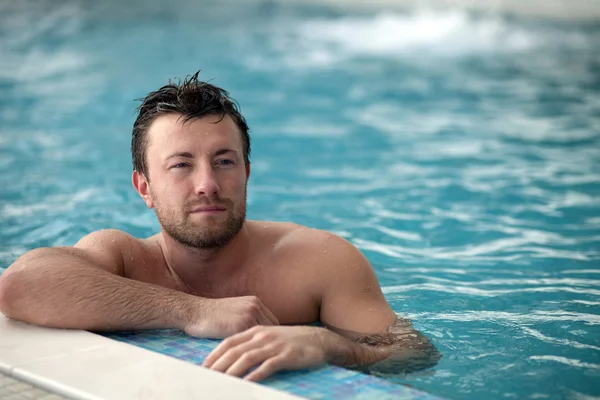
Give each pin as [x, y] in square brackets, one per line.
[220, 152]
[180, 154]
[186, 154]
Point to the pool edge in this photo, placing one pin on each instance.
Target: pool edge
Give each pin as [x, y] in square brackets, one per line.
[82, 365]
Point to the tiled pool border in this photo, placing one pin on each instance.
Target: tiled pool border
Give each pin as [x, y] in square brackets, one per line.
[82, 365]
[324, 382]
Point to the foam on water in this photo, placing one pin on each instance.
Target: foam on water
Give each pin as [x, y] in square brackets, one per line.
[412, 35]
[443, 33]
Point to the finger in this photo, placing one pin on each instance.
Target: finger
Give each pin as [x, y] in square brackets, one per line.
[270, 316]
[264, 319]
[249, 360]
[232, 355]
[267, 368]
[225, 346]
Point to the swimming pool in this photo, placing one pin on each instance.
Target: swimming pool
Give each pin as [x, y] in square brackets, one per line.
[459, 151]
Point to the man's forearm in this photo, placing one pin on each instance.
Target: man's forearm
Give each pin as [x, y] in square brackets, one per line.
[60, 290]
[349, 353]
[395, 351]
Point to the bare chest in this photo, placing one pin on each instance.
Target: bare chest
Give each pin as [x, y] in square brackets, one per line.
[279, 285]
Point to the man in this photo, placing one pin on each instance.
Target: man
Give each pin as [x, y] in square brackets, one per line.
[210, 272]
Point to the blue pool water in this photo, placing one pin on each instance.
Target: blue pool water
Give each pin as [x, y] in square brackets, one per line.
[459, 152]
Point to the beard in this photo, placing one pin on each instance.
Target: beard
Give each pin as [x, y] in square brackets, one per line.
[208, 235]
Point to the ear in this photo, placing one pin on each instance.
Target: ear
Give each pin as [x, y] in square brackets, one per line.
[248, 171]
[141, 185]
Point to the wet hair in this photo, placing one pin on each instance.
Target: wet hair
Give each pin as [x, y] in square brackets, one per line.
[192, 99]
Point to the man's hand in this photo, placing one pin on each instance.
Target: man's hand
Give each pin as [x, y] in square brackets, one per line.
[219, 318]
[400, 349]
[272, 349]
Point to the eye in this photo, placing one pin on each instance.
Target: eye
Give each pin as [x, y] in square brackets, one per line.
[225, 162]
[180, 165]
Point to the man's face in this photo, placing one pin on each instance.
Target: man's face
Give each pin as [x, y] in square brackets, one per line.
[197, 179]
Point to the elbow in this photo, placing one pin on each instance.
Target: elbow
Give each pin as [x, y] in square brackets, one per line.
[407, 356]
[425, 354]
[12, 282]
[7, 290]
[3, 294]
[432, 355]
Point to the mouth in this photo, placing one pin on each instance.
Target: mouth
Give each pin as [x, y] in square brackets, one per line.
[208, 210]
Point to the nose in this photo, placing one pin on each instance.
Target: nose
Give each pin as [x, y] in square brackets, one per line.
[206, 183]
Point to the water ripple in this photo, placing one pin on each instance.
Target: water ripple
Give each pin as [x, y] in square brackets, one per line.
[500, 316]
[485, 292]
[565, 342]
[567, 361]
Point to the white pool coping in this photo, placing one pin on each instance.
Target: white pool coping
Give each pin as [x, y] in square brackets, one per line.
[82, 365]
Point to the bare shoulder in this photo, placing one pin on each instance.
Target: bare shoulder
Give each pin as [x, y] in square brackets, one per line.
[313, 250]
[102, 237]
[338, 264]
[345, 280]
[106, 248]
[337, 275]
[322, 252]
[324, 245]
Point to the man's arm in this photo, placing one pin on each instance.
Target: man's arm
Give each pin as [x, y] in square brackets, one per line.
[399, 349]
[354, 307]
[352, 300]
[82, 287]
[363, 331]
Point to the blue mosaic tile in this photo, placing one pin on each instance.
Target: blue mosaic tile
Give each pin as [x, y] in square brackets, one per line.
[325, 382]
